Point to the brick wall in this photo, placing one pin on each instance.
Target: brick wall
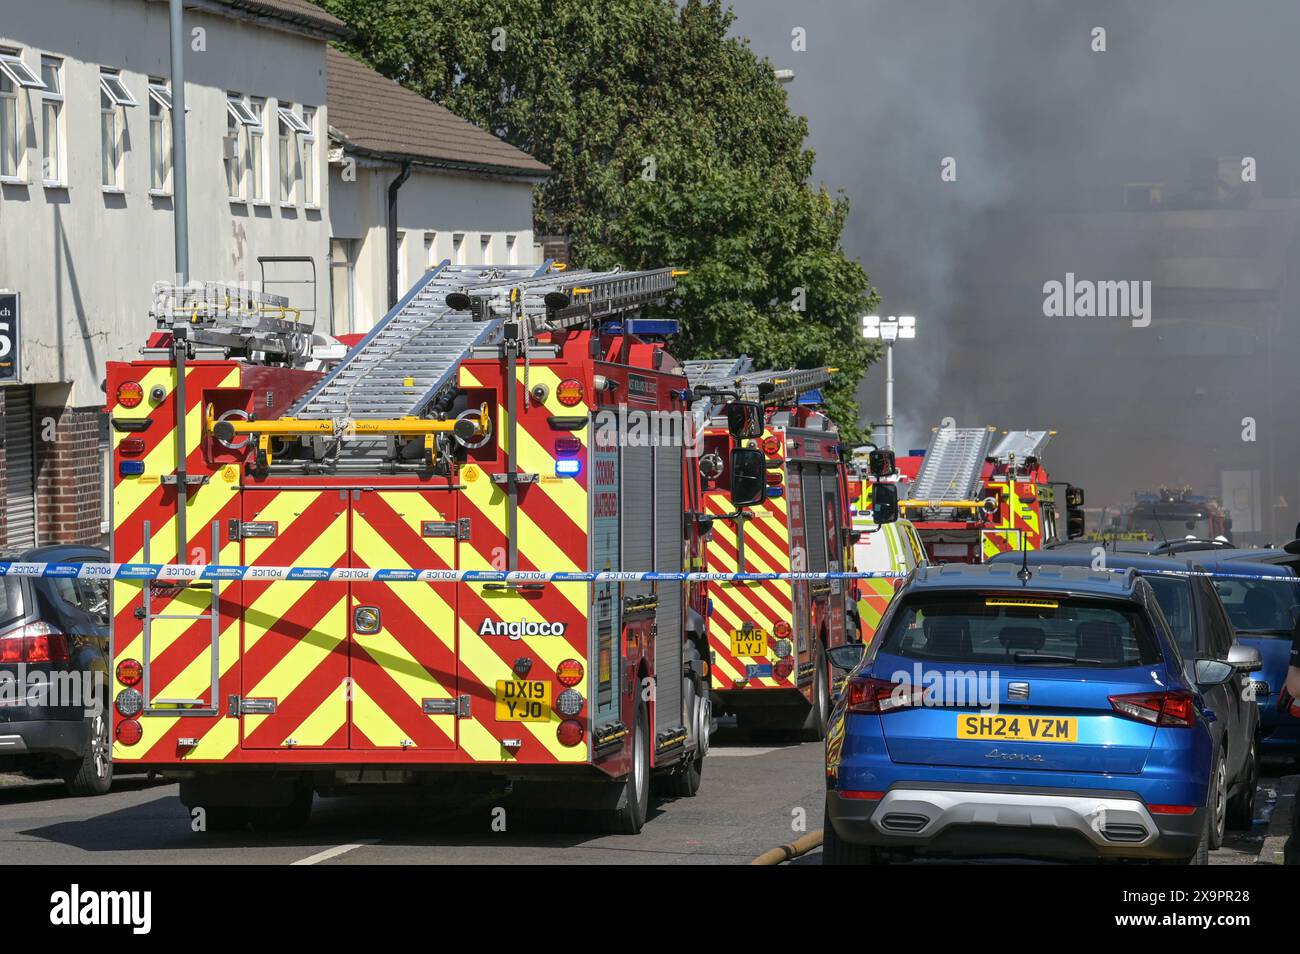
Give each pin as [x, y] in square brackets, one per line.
[69, 475]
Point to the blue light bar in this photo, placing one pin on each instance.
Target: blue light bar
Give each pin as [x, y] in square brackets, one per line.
[655, 327]
[811, 397]
[775, 491]
[131, 468]
[568, 467]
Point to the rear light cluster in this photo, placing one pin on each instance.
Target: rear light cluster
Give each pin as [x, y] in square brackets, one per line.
[783, 668]
[130, 394]
[569, 392]
[569, 703]
[867, 696]
[34, 643]
[568, 460]
[1173, 709]
[771, 446]
[782, 629]
[129, 701]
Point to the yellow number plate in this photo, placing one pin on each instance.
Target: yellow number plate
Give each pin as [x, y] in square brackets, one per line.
[526, 700]
[1017, 728]
[752, 643]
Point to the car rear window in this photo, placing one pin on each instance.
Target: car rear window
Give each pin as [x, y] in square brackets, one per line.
[1022, 629]
[11, 600]
[1260, 607]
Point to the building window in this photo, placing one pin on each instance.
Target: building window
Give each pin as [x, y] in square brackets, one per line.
[160, 137]
[52, 162]
[485, 249]
[114, 97]
[458, 248]
[342, 286]
[239, 119]
[14, 76]
[291, 127]
[309, 158]
[257, 149]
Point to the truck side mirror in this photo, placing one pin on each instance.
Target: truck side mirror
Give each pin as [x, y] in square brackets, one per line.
[745, 420]
[748, 476]
[1073, 497]
[1074, 524]
[884, 503]
[881, 463]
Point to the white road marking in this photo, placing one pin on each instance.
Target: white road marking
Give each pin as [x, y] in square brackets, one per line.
[743, 751]
[334, 852]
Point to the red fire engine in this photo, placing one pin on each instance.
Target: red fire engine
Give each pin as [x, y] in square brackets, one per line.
[479, 429]
[970, 500]
[768, 639]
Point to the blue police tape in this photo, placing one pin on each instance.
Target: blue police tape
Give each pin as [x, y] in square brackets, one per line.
[179, 573]
[172, 572]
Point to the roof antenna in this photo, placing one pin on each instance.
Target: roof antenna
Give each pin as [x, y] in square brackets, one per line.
[1023, 574]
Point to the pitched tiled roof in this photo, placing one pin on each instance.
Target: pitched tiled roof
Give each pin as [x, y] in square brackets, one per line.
[293, 12]
[376, 115]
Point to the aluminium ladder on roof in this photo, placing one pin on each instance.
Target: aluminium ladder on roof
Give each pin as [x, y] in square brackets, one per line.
[713, 373]
[952, 464]
[592, 296]
[785, 386]
[1021, 444]
[411, 353]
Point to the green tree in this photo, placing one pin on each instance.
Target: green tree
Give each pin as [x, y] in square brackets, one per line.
[672, 143]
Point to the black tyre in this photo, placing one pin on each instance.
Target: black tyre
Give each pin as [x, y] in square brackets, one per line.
[1241, 807]
[630, 815]
[837, 851]
[92, 774]
[1218, 802]
[814, 726]
[685, 779]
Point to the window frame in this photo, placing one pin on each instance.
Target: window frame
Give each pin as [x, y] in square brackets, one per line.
[160, 95]
[116, 108]
[54, 99]
[11, 96]
[238, 114]
[256, 136]
[309, 170]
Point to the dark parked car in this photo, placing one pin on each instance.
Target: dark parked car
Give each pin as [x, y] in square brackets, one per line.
[54, 686]
[1203, 628]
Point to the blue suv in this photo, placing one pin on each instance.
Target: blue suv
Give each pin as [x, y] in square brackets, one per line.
[1042, 712]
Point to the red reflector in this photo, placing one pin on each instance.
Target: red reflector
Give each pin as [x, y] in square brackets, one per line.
[782, 628]
[775, 478]
[129, 672]
[865, 796]
[783, 668]
[569, 672]
[130, 394]
[131, 446]
[129, 732]
[567, 447]
[1171, 809]
[771, 446]
[569, 392]
[570, 732]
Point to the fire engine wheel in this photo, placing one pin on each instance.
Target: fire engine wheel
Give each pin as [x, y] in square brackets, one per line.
[92, 774]
[629, 817]
[288, 817]
[685, 778]
[814, 726]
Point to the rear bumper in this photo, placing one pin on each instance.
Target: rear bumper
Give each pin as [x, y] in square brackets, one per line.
[44, 737]
[988, 820]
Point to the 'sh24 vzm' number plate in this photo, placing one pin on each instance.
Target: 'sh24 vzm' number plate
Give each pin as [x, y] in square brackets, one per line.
[523, 700]
[1003, 728]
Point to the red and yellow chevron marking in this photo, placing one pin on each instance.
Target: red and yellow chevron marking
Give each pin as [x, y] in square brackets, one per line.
[762, 603]
[993, 542]
[875, 599]
[552, 536]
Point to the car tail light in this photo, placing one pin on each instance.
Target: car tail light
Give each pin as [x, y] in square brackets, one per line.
[869, 696]
[783, 668]
[130, 394]
[771, 446]
[569, 392]
[129, 702]
[1174, 709]
[569, 672]
[129, 732]
[131, 446]
[129, 672]
[782, 629]
[569, 732]
[34, 643]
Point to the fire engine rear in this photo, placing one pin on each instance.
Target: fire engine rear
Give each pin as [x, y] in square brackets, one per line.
[767, 639]
[384, 571]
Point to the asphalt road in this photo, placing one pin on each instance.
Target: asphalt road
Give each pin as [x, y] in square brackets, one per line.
[754, 797]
